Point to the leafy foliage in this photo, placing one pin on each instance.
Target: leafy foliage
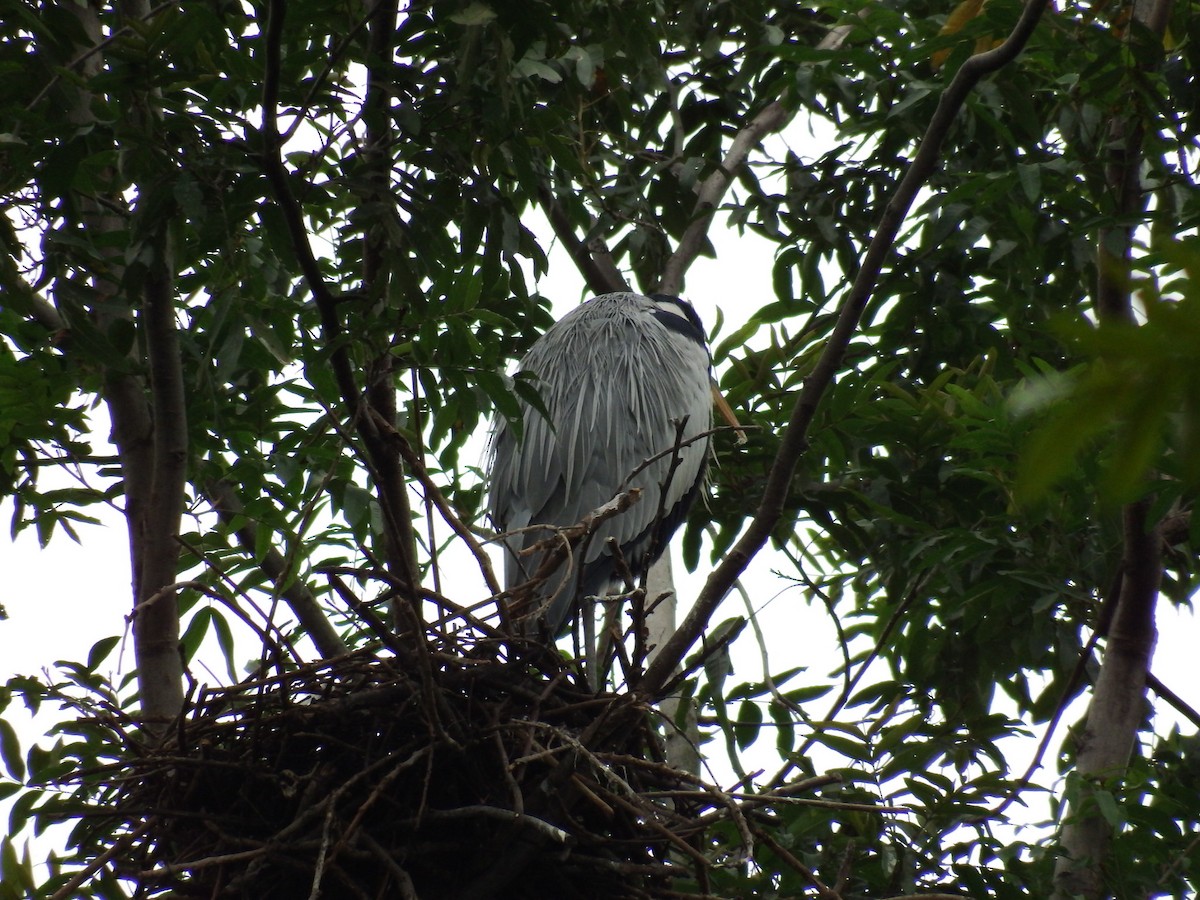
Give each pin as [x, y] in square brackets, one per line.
[955, 514]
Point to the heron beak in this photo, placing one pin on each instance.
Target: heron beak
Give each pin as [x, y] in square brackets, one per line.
[726, 412]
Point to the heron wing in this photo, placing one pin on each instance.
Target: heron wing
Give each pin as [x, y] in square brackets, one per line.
[615, 383]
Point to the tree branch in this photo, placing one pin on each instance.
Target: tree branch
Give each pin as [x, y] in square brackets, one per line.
[795, 436]
[150, 433]
[771, 118]
[1116, 711]
[1117, 707]
[592, 257]
[293, 216]
[399, 540]
[381, 462]
[299, 598]
[156, 625]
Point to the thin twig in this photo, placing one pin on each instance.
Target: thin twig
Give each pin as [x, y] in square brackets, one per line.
[119, 846]
[417, 467]
[823, 890]
[404, 882]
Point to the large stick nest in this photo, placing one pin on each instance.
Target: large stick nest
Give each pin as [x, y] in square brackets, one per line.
[430, 774]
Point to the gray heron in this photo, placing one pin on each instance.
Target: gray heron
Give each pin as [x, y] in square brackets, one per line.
[623, 377]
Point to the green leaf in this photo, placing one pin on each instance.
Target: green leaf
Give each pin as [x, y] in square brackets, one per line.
[748, 725]
[1107, 804]
[15, 872]
[196, 631]
[100, 651]
[10, 751]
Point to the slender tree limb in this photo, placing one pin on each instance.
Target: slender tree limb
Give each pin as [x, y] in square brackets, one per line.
[835, 709]
[276, 173]
[823, 890]
[299, 598]
[381, 462]
[290, 208]
[124, 393]
[771, 118]
[1117, 709]
[795, 436]
[150, 434]
[377, 249]
[293, 216]
[156, 626]
[1172, 699]
[119, 846]
[682, 739]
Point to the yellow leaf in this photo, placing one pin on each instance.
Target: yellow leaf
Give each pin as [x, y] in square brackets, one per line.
[955, 22]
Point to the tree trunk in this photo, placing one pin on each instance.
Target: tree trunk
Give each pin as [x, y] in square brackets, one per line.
[149, 425]
[1115, 714]
[1118, 701]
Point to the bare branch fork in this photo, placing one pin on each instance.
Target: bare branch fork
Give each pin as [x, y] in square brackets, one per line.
[795, 437]
[559, 545]
[600, 651]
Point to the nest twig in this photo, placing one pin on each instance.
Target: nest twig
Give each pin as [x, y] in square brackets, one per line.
[331, 780]
[463, 765]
